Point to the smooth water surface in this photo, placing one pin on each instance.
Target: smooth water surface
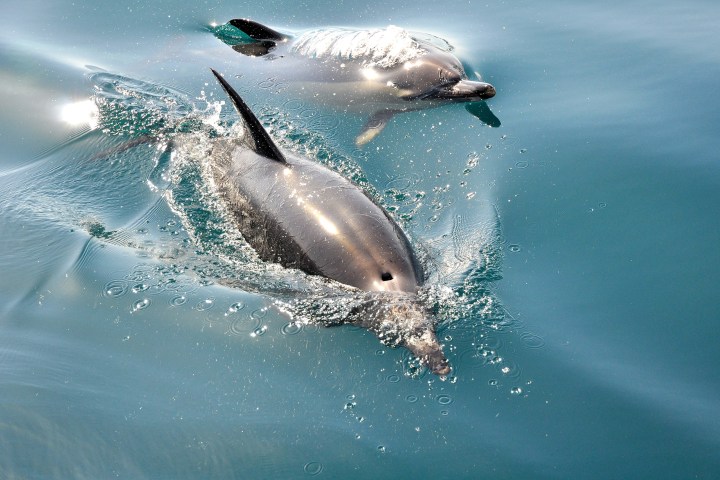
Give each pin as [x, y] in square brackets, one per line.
[573, 251]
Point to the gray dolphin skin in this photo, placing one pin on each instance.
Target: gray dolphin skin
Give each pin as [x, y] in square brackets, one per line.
[299, 214]
[379, 72]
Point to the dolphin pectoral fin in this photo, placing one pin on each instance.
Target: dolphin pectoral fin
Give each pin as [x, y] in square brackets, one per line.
[255, 49]
[483, 113]
[428, 350]
[374, 126]
[255, 30]
[263, 143]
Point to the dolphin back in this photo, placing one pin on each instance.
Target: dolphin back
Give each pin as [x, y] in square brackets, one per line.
[303, 215]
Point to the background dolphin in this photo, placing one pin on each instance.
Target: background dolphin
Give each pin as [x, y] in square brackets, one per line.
[379, 72]
[299, 214]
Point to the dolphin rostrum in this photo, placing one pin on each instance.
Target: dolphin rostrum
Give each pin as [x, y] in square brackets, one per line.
[378, 72]
[300, 214]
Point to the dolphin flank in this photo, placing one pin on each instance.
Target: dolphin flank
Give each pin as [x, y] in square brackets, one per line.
[302, 215]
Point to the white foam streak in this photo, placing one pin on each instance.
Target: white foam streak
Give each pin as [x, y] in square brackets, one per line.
[382, 48]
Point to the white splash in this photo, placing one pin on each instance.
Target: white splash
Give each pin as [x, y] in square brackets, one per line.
[382, 48]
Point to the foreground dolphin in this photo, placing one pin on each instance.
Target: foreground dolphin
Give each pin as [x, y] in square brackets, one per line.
[299, 214]
[379, 72]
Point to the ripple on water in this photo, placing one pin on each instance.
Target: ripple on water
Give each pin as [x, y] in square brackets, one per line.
[235, 307]
[178, 300]
[313, 468]
[532, 340]
[509, 368]
[243, 325]
[116, 288]
[206, 304]
[291, 328]
[140, 305]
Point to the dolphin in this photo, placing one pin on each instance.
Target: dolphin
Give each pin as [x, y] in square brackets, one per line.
[299, 214]
[377, 72]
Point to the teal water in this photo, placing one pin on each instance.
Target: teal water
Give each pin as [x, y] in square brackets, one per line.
[137, 340]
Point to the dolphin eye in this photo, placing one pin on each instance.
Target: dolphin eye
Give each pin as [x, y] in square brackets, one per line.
[387, 276]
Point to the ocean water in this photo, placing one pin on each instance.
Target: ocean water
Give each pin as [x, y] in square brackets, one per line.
[573, 251]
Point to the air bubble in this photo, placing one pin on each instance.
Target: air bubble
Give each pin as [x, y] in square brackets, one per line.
[236, 307]
[178, 300]
[206, 304]
[140, 287]
[141, 305]
[115, 289]
[516, 391]
[259, 331]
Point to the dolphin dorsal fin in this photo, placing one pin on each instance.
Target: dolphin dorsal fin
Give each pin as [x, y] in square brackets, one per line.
[255, 30]
[263, 143]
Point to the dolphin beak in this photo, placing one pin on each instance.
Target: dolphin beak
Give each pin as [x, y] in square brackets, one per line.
[429, 351]
[465, 91]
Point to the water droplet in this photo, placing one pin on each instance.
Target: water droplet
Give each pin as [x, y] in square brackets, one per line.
[411, 398]
[514, 248]
[381, 448]
[206, 304]
[444, 412]
[444, 399]
[141, 305]
[259, 331]
[116, 288]
[516, 390]
[140, 287]
[291, 328]
[236, 307]
[259, 313]
[379, 352]
[470, 195]
[602, 204]
[178, 300]
[472, 160]
[349, 405]
[493, 383]
[313, 468]
[523, 150]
